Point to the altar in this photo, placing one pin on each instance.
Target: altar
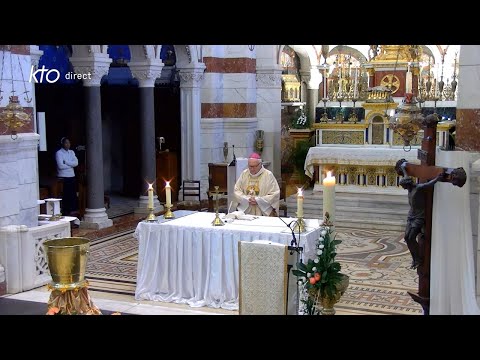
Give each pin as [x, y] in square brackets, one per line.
[187, 260]
[357, 166]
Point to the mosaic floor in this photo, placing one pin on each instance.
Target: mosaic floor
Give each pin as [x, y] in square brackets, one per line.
[377, 262]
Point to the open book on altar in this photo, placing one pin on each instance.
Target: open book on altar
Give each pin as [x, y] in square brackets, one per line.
[240, 215]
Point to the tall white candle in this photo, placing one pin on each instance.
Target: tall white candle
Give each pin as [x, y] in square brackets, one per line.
[325, 84]
[150, 196]
[168, 193]
[299, 203]
[409, 80]
[329, 196]
[355, 85]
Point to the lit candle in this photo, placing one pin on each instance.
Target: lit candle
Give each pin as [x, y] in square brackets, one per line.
[329, 196]
[168, 194]
[150, 196]
[299, 203]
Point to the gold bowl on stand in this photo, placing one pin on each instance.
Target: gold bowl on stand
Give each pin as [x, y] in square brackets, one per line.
[67, 261]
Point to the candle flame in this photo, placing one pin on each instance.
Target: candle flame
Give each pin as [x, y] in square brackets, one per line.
[167, 183]
[150, 186]
[300, 192]
[329, 174]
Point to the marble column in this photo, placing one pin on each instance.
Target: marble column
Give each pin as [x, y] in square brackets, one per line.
[468, 101]
[35, 54]
[468, 132]
[269, 88]
[94, 68]
[146, 75]
[312, 78]
[190, 115]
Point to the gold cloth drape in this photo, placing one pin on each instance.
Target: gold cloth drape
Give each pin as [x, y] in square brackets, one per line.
[72, 302]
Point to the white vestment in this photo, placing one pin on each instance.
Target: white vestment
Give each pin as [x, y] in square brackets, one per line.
[263, 186]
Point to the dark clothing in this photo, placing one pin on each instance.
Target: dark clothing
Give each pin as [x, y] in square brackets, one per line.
[69, 197]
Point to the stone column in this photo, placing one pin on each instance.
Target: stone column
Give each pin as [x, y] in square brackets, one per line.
[94, 68]
[35, 54]
[146, 73]
[190, 103]
[269, 88]
[312, 78]
[468, 131]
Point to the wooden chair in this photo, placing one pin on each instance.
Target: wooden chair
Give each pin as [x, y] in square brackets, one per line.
[190, 189]
[283, 198]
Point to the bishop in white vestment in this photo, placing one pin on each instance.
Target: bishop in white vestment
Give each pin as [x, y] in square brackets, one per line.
[257, 190]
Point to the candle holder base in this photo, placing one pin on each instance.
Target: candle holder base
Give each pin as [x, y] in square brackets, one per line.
[299, 225]
[169, 214]
[217, 221]
[151, 217]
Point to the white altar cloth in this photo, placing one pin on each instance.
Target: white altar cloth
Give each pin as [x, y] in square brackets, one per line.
[349, 155]
[187, 260]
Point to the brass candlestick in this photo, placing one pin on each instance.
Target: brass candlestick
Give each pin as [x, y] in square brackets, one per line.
[151, 216]
[169, 214]
[217, 221]
[299, 225]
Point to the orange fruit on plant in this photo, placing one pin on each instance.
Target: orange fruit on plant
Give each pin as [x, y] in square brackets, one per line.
[312, 280]
[317, 276]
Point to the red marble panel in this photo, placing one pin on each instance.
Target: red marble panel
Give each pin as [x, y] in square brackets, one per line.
[3, 288]
[229, 110]
[230, 65]
[27, 128]
[468, 129]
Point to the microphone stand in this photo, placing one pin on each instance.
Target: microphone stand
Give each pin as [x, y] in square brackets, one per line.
[294, 246]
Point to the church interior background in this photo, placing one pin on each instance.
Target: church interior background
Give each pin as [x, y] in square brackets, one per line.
[156, 113]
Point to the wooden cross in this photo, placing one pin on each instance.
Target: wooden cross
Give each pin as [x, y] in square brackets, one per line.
[426, 172]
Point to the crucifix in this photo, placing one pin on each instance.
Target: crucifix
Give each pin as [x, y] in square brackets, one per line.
[420, 197]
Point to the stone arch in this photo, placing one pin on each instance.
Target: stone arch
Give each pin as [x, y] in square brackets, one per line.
[373, 114]
[307, 55]
[344, 49]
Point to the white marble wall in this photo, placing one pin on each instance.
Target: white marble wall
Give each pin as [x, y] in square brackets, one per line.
[19, 180]
[469, 77]
[475, 212]
[226, 88]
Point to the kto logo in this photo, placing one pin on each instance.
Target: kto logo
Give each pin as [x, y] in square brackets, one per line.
[51, 75]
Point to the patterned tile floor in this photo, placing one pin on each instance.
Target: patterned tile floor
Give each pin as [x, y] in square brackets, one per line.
[377, 262]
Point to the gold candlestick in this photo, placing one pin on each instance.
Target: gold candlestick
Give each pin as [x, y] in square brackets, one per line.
[151, 216]
[217, 221]
[169, 214]
[299, 225]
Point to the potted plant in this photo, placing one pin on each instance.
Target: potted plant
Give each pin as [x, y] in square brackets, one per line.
[321, 282]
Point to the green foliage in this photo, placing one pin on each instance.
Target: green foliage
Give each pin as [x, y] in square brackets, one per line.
[321, 273]
[299, 153]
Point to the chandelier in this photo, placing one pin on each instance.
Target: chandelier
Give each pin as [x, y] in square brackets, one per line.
[407, 121]
[13, 115]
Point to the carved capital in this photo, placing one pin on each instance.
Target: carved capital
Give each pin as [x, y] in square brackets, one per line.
[266, 80]
[191, 78]
[146, 74]
[35, 54]
[92, 68]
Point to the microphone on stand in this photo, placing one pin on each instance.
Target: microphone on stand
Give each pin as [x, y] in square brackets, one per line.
[293, 244]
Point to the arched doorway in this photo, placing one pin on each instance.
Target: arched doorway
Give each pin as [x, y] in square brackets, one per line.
[378, 130]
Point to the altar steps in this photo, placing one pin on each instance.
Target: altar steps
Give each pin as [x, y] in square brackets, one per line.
[380, 211]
